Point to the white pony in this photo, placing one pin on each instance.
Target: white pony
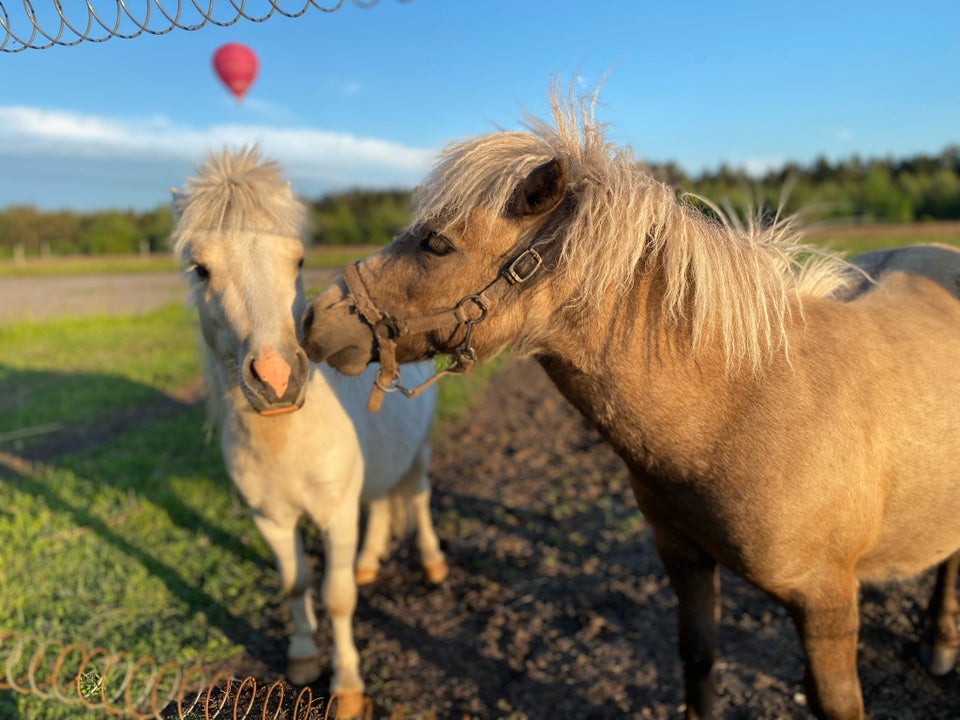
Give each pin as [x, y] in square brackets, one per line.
[238, 236]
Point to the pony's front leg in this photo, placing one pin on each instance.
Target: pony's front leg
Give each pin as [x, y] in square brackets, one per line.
[694, 578]
[340, 601]
[827, 618]
[303, 655]
[942, 641]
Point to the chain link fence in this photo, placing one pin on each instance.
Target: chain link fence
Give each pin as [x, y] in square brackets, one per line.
[30, 25]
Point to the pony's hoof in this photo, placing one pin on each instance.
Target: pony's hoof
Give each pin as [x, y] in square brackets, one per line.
[940, 659]
[303, 671]
[437, 571]
[366, 575]
[349, 705]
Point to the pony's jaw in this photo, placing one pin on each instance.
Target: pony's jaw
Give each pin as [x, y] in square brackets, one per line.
[334, 333]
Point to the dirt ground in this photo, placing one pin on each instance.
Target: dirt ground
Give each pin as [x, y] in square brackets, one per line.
[557, 605]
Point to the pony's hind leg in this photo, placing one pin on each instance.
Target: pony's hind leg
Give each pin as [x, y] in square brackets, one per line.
[431, 556]
[942, 642]
[376, 541]
[303, 655]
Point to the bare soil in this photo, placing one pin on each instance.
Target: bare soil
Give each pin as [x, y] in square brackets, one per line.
[557, 605]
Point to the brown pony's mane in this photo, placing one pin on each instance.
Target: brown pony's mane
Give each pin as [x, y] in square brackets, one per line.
[237, 191]
[722, 278]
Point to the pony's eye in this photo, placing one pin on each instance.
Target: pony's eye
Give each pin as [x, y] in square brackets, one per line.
[436, 244]
[201, 272]
[300, 264]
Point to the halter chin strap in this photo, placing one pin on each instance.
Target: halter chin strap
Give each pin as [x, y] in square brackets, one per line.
[468, 311]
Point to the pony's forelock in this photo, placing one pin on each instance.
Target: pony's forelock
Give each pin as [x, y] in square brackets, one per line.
[723, 277]
[237, 190]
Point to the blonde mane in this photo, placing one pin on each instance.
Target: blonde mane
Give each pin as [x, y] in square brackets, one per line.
[721, 278]
[236, 192]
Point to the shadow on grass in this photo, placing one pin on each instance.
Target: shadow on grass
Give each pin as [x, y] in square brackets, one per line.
[130, 448]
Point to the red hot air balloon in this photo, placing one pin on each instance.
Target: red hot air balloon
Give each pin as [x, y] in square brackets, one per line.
[236, 65]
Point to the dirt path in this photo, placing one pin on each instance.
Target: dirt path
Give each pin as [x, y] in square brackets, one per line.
[42, 297]
[557, 606]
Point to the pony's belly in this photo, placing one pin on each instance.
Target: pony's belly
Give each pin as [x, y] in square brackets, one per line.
[903, 559]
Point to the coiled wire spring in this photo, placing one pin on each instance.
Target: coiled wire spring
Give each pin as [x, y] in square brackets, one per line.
[27, 28]
[141, 688]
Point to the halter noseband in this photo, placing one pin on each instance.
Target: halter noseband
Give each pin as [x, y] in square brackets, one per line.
[469, 310]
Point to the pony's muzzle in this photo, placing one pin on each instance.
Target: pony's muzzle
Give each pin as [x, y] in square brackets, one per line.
[333, 332]
[273, 385]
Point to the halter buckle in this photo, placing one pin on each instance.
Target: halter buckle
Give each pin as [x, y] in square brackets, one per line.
[517, 275]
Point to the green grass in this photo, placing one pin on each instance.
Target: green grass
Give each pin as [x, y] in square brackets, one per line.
[70, 372]
[854, 240]
[455, 393]
[139, 545]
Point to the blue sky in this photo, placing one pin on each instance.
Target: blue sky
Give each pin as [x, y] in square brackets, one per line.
[366, 97]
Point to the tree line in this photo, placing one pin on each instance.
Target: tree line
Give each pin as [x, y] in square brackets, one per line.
[918, 188]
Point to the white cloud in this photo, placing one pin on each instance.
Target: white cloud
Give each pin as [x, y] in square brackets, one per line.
[843, 134]
[346, 88]
[758, 167]
[316, 156]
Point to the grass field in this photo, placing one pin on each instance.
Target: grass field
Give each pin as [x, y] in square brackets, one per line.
[851, 240]
[139, 544]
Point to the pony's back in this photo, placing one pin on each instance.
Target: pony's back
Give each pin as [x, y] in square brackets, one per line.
[391, 439]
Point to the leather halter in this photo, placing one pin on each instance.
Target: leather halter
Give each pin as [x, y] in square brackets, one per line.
[468, 311]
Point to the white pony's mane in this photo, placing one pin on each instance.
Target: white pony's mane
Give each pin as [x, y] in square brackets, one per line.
[721, 278]
[236, 191]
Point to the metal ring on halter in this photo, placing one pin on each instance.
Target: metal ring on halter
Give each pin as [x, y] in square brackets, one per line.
[476, 299]
[393, 385]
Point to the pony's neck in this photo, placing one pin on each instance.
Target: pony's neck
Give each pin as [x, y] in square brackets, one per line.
[633, 374]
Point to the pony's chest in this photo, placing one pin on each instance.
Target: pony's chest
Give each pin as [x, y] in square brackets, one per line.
[277, 467]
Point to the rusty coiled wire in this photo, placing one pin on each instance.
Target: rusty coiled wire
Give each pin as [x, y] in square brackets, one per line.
[127, 19]
[140, 688]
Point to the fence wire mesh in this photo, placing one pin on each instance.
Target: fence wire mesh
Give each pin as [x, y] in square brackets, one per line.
[121, 686]
[31, 25]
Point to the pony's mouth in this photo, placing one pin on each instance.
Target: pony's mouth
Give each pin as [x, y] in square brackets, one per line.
[285, 410]
[351, 360]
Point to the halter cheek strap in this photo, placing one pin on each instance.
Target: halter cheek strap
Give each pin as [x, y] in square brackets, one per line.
[468, 311]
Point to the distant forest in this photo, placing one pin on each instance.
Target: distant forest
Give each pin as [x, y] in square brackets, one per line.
[920, 188]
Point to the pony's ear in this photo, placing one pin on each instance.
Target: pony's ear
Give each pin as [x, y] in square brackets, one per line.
[541, 191]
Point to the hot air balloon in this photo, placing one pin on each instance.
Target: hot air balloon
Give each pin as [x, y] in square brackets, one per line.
[236, 65]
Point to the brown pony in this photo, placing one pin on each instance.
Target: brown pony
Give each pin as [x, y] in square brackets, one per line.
[779, 416]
